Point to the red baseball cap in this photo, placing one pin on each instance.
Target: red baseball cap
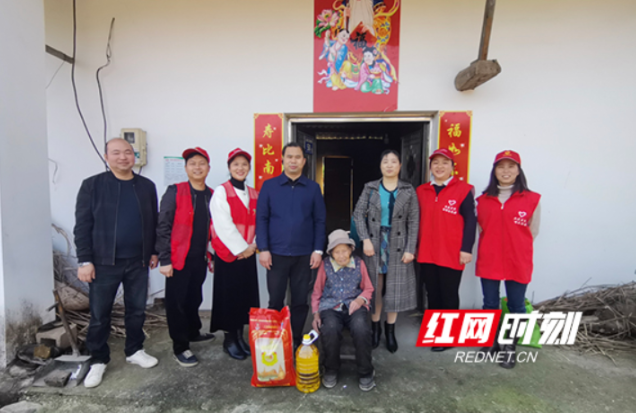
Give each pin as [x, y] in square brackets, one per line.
[198, 151]
[443, 152]
[512, 155]
[236, 152]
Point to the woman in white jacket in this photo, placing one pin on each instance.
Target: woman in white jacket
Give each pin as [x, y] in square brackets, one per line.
[233, 210]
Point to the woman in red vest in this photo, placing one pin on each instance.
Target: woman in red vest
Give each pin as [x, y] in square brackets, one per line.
[233, 209]
[508, 214]
[183, 234]
[447, 232]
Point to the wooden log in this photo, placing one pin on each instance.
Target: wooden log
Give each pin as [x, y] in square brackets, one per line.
[478, 73]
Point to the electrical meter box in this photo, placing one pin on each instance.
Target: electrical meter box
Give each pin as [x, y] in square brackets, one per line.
[137, 138]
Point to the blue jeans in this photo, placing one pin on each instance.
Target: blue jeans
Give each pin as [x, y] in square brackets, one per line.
[102, 292]
[516, 293]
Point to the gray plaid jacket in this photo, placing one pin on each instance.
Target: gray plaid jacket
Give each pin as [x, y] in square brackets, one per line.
[400, 294]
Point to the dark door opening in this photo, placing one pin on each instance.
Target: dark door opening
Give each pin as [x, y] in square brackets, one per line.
[338, 186]
[344, 156]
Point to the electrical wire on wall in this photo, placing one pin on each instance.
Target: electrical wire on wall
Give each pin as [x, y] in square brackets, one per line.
[79, 110]
[99, 84]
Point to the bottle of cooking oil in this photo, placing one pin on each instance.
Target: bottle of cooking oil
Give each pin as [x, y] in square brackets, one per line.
[307, 368]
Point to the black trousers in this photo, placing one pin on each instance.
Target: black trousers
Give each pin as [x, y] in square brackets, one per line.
[235, 292]
[442, 286]
[102, 292]
[296, 270]
[359, 324]
[183, 299]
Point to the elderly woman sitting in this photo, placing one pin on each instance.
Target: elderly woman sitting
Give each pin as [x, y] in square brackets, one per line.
[341, 297]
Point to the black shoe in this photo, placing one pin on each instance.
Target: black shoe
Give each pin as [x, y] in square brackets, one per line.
[391, 342]
[203, 337]
[330, 379]
[439, 349]
[376, 333]
[187, 359]
[367, 383]
[241, 342]
[231, 347]
[510, 355]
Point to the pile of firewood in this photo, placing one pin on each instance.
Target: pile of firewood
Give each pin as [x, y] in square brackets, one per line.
[117, 327]
[609, 316]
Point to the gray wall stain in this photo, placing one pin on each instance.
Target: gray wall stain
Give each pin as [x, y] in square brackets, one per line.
[19, 329]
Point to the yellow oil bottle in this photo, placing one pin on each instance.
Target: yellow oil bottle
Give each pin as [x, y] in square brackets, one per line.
[307, 367]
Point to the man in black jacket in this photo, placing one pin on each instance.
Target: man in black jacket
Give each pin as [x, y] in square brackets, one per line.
[183, 234]
[115, 224]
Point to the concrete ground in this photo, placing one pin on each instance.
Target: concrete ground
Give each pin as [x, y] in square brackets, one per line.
[411, 380]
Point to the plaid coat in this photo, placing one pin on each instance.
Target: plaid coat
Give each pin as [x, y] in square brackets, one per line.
[400, 292]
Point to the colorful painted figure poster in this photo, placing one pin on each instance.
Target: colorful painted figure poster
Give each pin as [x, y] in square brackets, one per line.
[455, 129]
[356, 53]
[268, 146]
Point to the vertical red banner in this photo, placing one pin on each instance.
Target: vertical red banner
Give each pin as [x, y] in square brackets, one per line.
[454, 134]
[356, 55]
[268, 147]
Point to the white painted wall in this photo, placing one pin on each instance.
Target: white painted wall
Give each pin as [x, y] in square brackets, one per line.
[3, 346]
[26, 268]
[194, 73]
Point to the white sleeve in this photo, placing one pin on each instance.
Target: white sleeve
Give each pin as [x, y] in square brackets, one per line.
[223, 223]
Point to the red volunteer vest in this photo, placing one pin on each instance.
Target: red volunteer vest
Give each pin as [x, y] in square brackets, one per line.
[505, 243]
[182, 225]
[441, 224]
[243, 218]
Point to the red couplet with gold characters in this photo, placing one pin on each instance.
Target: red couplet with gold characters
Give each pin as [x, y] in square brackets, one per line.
[268, 147]
[454, 134]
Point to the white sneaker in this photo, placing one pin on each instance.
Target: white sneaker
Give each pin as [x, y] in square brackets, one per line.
[142, 359]
[94, 376]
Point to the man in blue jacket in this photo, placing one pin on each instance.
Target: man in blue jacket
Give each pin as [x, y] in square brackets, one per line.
[290, 233]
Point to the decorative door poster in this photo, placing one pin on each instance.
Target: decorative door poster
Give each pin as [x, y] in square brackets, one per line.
[268, 147]
[356, 53]
[454, 134]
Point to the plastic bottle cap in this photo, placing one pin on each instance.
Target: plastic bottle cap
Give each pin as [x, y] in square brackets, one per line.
[310, 338]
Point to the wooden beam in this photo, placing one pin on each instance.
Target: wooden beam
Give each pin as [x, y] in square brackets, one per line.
[486, 30]
[481, 70]
[59, 55]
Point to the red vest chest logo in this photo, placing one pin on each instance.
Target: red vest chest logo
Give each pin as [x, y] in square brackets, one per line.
[450, 208]
[521, 219]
